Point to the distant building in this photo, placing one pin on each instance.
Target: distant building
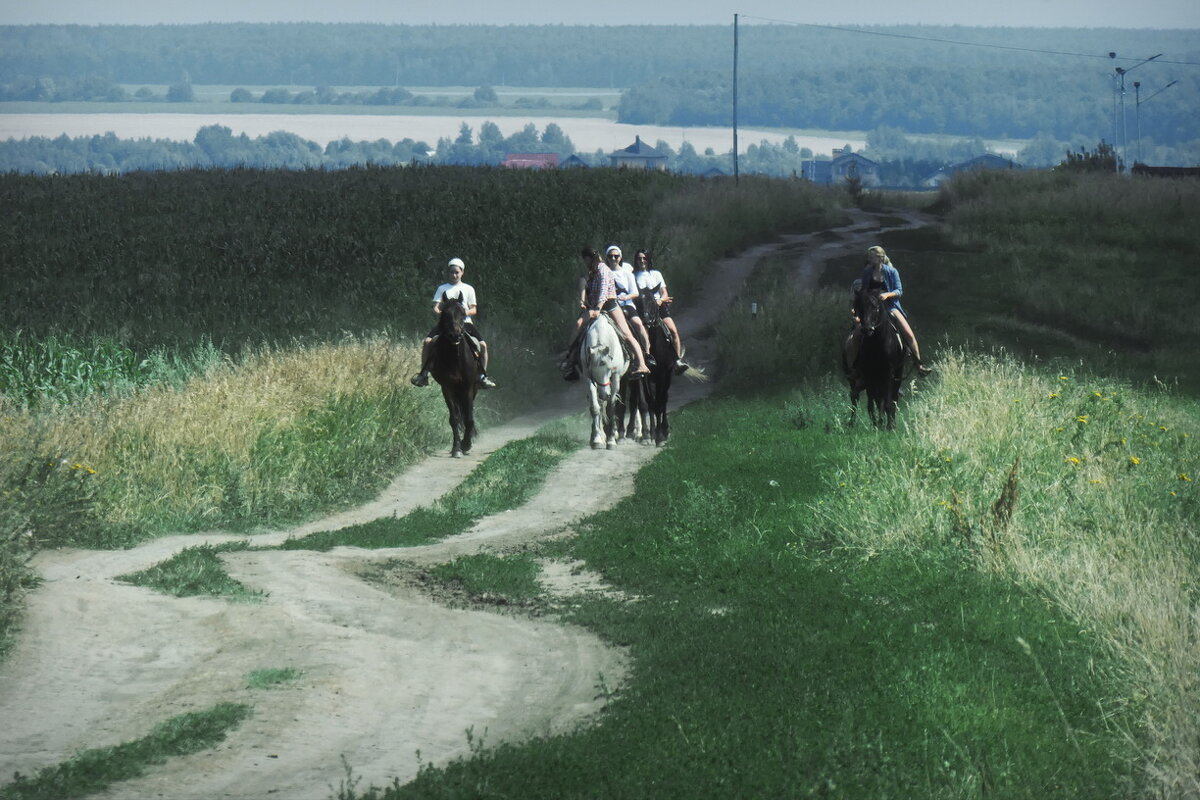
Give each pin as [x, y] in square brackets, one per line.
[1165, 172]
[840, 168]
[573, 161]
[530, 160]
[638, 155]
[985, 161]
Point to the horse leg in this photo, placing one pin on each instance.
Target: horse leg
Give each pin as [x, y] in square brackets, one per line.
[456, 428]
[468, 420]
[597, 419]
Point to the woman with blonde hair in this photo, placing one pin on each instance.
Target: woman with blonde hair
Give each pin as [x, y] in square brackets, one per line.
[882, 276]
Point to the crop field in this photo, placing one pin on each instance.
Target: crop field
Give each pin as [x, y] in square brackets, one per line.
[996, 600]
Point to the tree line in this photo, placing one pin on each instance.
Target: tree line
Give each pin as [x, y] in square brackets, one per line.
[791, 75]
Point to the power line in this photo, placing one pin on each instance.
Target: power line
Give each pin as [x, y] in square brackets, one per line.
[910, 36]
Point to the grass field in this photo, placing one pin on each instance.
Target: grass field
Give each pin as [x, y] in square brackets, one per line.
[997, 600]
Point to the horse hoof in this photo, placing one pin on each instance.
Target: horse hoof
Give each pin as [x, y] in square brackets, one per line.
[595, 445]
[610, 446]
[456, 454]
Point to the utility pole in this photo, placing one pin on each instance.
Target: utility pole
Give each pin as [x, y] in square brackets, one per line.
[735, 98]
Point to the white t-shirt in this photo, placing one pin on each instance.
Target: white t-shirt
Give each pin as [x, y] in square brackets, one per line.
[465, 292]
[623, 276]
[650, 279]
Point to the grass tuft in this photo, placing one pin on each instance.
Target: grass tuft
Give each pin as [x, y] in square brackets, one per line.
[96, 770]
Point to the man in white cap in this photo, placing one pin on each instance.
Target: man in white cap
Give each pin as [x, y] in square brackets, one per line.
[464, 293]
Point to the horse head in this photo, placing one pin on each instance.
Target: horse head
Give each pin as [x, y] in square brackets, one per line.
[872, 311]
[454, 316]
[648, 306]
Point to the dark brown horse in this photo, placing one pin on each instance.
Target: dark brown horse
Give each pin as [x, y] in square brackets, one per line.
[456, 370]
[658, 382]
[879, 369]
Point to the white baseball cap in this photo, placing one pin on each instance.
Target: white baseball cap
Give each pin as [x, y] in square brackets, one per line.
[456, 262]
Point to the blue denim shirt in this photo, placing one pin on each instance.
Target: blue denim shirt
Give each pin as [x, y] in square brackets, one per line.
[891, 283]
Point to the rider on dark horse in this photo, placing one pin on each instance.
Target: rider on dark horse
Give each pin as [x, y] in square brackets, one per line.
[652, 280]
[464, 293]
[881, 276]
[599, 295]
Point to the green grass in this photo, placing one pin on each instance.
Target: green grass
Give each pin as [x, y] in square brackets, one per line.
[94, 771]
[506, 479]
[771, 661]
[273, 677]
[195, 571]
[486, 578]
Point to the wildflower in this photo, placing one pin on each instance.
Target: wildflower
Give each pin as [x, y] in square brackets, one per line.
[1073, 460]
[1058, 430]
[1173, 494]
[1052, 396]
[1097, 394]
[1162, 428]
[1183, 476]
[1017, 400]
[1095, 481]
[1134, 460]
[1063, 378]
[1082, 419]
[1124, 440]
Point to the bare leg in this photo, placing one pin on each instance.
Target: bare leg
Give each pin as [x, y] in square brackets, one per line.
[906, 331]
[618, 317]
[675, 333]
[639, 328]
[483, 356]
[908, 334]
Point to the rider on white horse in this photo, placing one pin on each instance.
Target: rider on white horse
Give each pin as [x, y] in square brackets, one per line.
[599, 296]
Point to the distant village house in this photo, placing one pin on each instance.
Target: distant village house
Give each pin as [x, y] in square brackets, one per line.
[638, 155]
[843, 165]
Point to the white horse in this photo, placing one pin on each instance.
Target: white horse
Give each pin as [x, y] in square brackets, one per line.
[603, 362]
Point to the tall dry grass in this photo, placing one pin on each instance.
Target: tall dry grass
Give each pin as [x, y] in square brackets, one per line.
[1080, 487]
[268, 438]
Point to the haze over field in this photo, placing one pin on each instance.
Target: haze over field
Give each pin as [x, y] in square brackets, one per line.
[1015, 13]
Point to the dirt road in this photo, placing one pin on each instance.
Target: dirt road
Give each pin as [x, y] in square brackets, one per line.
[387, 673]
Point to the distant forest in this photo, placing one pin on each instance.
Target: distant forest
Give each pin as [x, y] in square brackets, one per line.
[789, 75]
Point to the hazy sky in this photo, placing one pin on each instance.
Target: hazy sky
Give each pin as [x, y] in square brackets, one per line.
[1035, 13]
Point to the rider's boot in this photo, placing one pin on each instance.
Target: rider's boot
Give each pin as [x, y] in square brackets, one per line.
[420, 379]
[486, 382]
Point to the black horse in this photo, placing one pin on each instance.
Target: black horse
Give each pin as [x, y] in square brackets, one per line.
[658, 382]
[879, 369]
[456, 370]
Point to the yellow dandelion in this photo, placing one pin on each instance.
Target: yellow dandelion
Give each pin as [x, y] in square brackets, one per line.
[1183, 476]
[1082, 419]
[1063, 377]
[1124, 440]
[1052, 396]
[1162, 428]
[1072, 460]
[1058, 430]
[1173, 494]
[1134, 460]
[1096, 480]
[1097, 394]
